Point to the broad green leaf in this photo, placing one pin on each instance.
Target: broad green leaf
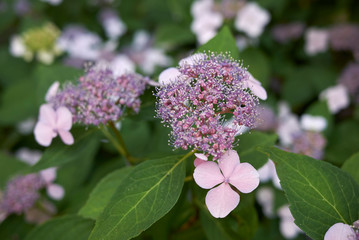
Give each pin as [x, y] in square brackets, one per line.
[222, 42]
[343, 142]
[14, 227]
[247, 147]
[63, 228]
[86, 143]
[9, 166]
[351, 166]
[47, 75]
[319, 193]
[17, 103]
[147, 194]
[102, 193]
[257, 63]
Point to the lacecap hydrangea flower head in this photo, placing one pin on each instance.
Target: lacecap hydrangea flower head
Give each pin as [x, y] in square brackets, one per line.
[202, 96]
[97, 98]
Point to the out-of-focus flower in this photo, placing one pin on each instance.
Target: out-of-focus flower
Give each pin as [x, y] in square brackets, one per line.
[143, 53]
[21, 193]
[336, 97]
[206, 20]
[39, 42]
[113, 25]
[265, 197]
[80, 43]
[284, 33]
[344, 37]
[313, 123]
[268, 173]
[28, 156]
[22, 7]
[287, 226]
[252, 19]
[316, 41]
[350, 79]
[266, 120]
[53, 2]
[341, 231]
[222, 199]
[54, 190]
[51, 123]
[27, 126]
[194, 103]
[288, 125]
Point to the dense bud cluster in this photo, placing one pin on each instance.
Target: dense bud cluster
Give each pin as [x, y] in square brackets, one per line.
[197, 104]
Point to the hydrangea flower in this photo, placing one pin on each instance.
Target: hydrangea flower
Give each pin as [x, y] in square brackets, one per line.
[252, 19]
[40, 42]
[222, 199]
[287, 226]
[268, 172]
[336, 97]
[197, 99]
[52, 123]
[341, 231]
[265, 197]
[112, 24]
[316, 41]
[100, 96]
[350, 79]
[284, 33]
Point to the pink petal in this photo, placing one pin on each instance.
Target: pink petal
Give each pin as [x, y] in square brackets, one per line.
[49, 175]
[228, 162]
[44, 134]
[169, 75]
[245, 178]
[64, 119]
[258, 90]
[66, 137]
[193, 59]
[55, 191]
[340, 231]
[201, 156]
[207, 175]
[47, 115]
[52, 91]
[221, 200]
[198, 161]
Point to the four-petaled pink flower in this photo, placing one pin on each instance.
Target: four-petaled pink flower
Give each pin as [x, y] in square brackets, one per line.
[222, 199]
[51, 123]
[341, 231]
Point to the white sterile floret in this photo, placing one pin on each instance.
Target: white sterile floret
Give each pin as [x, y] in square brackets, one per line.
[337, 98]
[239, 128]
[288, 125]
[192, 59]
[53, 2]
[114, 27]
[252, 19]
[122, 64]
[168, 76]
[313, 123]
[52, 91]
[287, 226]
[256, 87]
[17, 46]
[316, 41]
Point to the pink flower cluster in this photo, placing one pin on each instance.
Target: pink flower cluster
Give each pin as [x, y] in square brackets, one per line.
[208, 92]
[100, 97]
[21, 193]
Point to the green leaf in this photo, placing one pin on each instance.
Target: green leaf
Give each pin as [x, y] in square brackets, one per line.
[47, 75]
[147, 194]
[63, 228]
[351, 166]
[258, 64]
[222, 42]
[86, 144]
[319, 193]
[343, 142]
[102, 193]
[247, 147]
[14, 227]
[213, 227]
[18, 103]
[9, 166]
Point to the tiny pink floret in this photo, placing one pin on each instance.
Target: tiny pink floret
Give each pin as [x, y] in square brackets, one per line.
[222, 199]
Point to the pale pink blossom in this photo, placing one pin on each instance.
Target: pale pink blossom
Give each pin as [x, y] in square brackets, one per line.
[252, 19]
[52, 123]
[54, 191]
[313, 123]
[268, 173]
[265, 197]
[287, 226]
[52, 90]
[168, 76]
[316, 41]
[200, 158]
[337, 98]
[340, 231]
[222, 199]
[256, 87]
